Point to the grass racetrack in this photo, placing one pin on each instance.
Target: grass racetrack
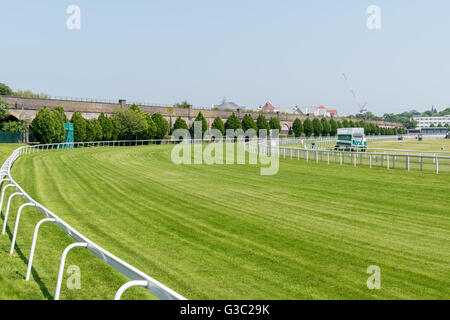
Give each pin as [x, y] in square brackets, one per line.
[412, 144]
[226, 232]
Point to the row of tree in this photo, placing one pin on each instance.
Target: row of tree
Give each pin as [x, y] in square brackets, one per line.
[133, 123]
[323, 127]
[316, 127]
[232, 123]
[129, 124]
[7, 91]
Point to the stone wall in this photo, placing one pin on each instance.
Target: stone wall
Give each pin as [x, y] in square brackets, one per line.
[27, 108]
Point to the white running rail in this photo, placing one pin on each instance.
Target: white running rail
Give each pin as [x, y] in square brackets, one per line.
[137, 277]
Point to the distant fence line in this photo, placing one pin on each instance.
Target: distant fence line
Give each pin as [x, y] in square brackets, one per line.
[405, 161]
[321, 142]
[112, 101]
[137, 277]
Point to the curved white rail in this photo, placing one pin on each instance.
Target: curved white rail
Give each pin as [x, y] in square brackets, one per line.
[152, 285]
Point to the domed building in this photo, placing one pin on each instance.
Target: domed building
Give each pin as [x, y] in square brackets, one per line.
[227, 105]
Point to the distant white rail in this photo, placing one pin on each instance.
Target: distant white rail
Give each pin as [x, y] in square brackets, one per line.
[380, 159]
[144, 280]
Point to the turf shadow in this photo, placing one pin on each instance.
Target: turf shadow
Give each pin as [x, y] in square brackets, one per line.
[34, 273]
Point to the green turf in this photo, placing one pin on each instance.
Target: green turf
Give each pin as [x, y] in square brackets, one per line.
[225, 232]
[411, 144]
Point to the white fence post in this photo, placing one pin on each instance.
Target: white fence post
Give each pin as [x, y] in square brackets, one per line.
[7, 209]
[16, 226]
[126, 286]
[62, 263]
[437, 165]
[33, 245]
[3, 194]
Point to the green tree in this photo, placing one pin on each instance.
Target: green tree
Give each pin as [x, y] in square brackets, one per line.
[297, 127]
[151, 128]
[161, 125]
[79, 127]
[150, 133]
[15, 126]
[326, 128]
[371, 130]
[201, 119]
[345, 123]
[428, 113]
[44, 126]
[59, 127]
[377, 130]
[60, 111]
[107, 127]
[180, 124]
[233, 123]
[262, 124]
[29, 94]
[4, 110]
[134, 107]
[308, 127]
[93, 130]
[183, 104]
[317, 127]
[333, 127]
[130, 124]
[248, 123]
[275, 123]
[5, 90]
[219, 125]
[115, 130]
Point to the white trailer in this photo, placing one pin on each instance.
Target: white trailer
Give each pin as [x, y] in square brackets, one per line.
[351, 139]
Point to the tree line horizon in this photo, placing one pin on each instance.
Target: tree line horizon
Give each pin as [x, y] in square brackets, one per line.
[135, 124]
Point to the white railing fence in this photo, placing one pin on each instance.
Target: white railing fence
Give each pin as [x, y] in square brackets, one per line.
[386, 160]
[137, 277]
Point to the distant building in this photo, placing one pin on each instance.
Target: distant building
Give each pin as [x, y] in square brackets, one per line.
[332, 112]
[227, 105]
[426, 122]
[320, 111]
[268, 107]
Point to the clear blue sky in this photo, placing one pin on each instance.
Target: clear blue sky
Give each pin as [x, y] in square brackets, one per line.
[288, 52]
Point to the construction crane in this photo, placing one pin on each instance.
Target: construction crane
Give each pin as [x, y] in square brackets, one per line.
[361, 105]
